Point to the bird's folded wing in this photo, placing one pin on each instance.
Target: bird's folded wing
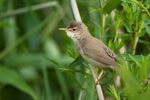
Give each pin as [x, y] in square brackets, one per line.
[110, 53]
[101, 54]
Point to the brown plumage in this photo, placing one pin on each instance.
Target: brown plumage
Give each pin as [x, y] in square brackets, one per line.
[91, 49]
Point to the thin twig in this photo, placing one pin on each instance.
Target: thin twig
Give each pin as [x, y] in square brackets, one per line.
[27, 9]
[78, 18]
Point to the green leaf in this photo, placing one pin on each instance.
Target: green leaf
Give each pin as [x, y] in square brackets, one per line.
[147, 26]
[148, 30]
[9, 76]
[110, 5]
[77, 61]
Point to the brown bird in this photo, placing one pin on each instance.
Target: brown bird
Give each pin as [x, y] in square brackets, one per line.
[91, 49]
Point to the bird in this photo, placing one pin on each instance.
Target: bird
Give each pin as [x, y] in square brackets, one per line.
[93, 50]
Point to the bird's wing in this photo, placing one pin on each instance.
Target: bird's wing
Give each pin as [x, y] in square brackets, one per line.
[109, 52]
[99, 53]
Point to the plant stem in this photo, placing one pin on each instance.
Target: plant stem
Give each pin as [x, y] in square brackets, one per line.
[102, 19]
[98, 86]
[135, 41]
[75, 10]
[78, 18]
[81, 95]
[102, 26]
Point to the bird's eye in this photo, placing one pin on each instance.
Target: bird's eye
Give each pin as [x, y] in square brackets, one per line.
[73, 29]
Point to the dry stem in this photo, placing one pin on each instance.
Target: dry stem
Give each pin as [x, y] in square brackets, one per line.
[78, 18]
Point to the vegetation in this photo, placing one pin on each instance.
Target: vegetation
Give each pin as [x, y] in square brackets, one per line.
[39, 62]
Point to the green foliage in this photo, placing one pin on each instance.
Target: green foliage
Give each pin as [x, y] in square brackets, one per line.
[113, 92]
[37, 61]
[110, 5]
[135, 77]
[11, 77]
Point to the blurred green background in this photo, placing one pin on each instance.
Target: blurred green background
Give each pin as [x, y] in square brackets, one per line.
[39, 62]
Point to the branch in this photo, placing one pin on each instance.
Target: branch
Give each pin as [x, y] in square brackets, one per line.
[78, 18]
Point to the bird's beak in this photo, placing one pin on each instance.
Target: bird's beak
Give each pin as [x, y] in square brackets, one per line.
[63, 29]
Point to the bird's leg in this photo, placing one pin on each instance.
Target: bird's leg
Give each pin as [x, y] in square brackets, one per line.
[100, 76]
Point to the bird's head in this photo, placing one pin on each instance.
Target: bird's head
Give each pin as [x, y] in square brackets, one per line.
[76, 30]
